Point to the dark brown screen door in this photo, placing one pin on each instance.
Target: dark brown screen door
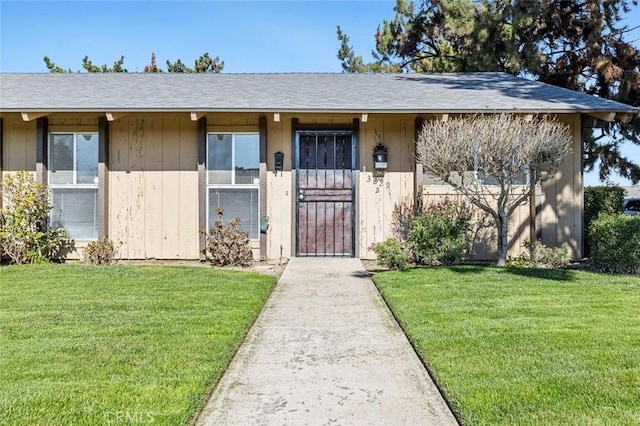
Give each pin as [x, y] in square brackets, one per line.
[325, 218]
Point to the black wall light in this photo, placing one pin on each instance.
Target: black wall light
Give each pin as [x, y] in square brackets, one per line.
[380, 157]
[279, 161]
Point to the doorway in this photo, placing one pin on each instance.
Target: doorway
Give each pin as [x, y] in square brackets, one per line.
[325, 193]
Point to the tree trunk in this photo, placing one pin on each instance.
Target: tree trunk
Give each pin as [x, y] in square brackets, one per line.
[503, 229]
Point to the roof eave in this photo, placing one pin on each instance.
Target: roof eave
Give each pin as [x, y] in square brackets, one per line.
[630, 110]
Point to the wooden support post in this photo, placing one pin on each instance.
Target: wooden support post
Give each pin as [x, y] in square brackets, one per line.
[202, 184]
[532, 210]
[418, 175]
[1, 159]
[356, 150]
[295, 125]
[355, 229]
[263, 185]
[42, 149]
[294, 187]
[103, 177]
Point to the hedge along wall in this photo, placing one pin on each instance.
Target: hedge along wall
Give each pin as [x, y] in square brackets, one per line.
[615, 243]
[597, 200]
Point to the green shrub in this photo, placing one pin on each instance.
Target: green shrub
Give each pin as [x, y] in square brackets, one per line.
[25, 236]
[597, 200]
[538, 255]
[228, 244]
[439, 235]
[392, 254]
[521, 261]
[615, 243]
[99, 252]
[402, 218]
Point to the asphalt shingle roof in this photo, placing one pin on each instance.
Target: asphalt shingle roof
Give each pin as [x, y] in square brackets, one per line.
[395, 93]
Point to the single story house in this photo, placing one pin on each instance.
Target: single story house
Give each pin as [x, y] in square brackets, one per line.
[146, 159]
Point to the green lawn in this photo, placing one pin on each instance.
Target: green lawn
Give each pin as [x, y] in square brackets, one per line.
[528, 347]
[118, 344]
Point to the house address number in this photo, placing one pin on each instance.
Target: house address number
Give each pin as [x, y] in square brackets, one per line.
[379, 183]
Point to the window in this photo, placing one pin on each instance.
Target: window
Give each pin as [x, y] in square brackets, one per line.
[233, 183]
[73, 178]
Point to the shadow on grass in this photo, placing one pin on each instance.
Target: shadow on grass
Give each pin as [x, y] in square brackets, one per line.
[544, 274]
[466, 269]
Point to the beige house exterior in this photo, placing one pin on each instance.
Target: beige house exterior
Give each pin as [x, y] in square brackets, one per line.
[145, 159]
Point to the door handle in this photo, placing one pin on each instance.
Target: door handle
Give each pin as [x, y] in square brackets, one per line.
[301, 195]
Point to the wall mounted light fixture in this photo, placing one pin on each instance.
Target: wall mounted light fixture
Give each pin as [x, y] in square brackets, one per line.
[380, 157]
[278, 161]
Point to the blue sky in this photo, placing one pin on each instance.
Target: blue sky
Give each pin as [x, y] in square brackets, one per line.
[250, 36]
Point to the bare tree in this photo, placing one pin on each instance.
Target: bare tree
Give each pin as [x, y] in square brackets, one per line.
[494, 160]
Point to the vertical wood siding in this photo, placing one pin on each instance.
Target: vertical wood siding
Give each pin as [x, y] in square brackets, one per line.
[154, 187]
[280, 187]
[563, 205]
[19, 147]
[153, 181]
[378, 195]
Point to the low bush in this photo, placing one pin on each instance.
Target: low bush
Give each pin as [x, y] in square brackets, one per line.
[392, 254]
[615, 243]
[99, 252]
[597, 200]
[228, 244]
[439, 235]
[25, 235]
[538, 255]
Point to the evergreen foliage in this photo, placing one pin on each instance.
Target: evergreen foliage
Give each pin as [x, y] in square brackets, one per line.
[579, 45]
[204, 64]
[597, 200]
[439, 235]
[615, 243]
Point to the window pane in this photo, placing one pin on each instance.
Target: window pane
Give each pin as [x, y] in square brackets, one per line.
[75, 209]
[247, 158]
[241, 203]
[61, 163]
[87, 158]
[219, 159]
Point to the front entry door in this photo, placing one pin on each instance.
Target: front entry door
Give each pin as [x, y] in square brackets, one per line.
[325, 193]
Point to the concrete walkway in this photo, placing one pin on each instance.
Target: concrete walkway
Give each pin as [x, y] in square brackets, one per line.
[326, 350]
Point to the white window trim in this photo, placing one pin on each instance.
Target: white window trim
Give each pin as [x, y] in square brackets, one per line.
[52, 186]
[75, 170]
[232, 185]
